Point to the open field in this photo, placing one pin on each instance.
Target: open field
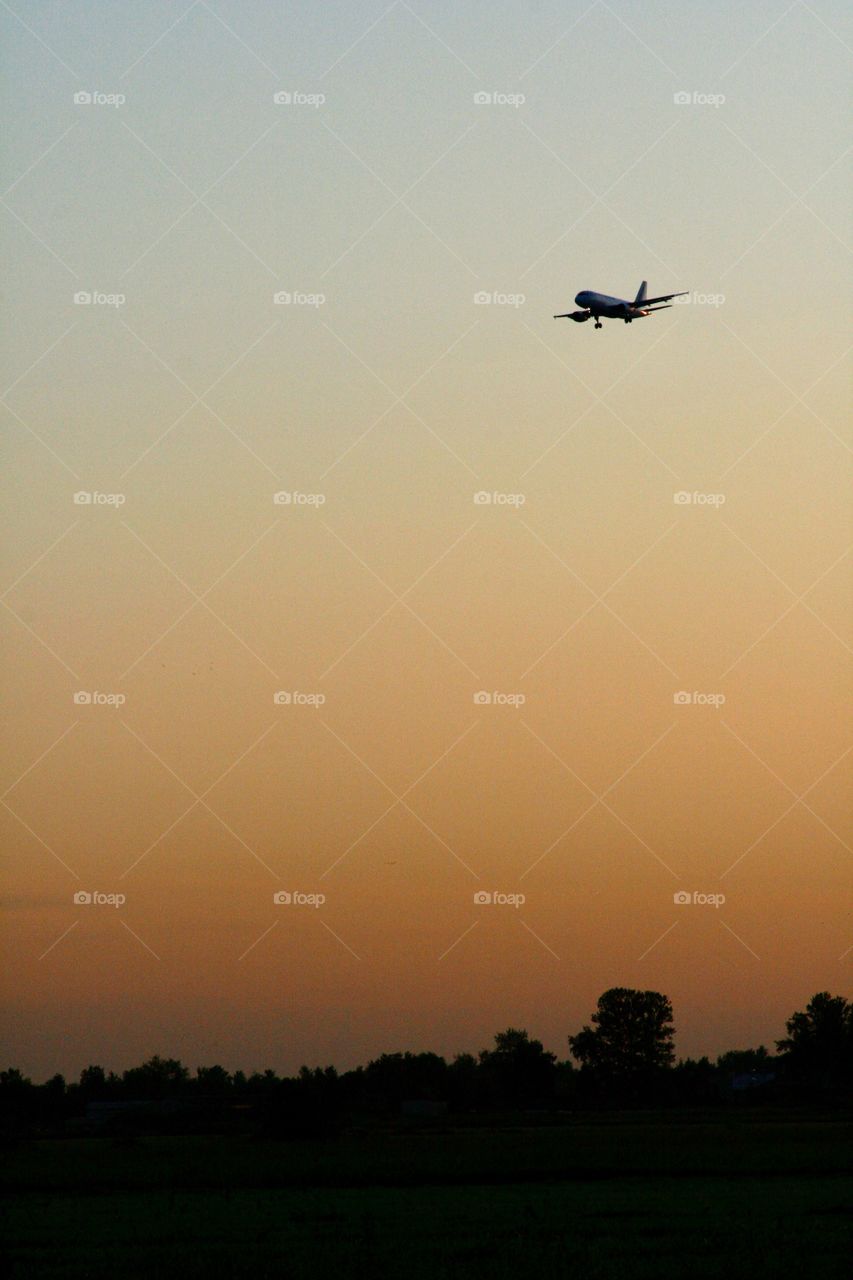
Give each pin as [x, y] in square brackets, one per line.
[631, 1198]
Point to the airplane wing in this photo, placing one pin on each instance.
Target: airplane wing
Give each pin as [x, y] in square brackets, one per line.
[648, 310]
[648, 302]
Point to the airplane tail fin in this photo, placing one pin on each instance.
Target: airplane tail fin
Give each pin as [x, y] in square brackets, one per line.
[641, 294]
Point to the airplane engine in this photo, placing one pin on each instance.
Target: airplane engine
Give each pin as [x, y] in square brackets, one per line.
[579, 316]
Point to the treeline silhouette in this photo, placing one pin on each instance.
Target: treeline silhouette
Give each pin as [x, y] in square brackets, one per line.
[623, 1059]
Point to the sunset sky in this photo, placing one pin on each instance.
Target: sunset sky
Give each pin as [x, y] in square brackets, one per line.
[670, 513]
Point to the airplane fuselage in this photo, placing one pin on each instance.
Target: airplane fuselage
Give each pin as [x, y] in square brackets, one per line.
[600, 304]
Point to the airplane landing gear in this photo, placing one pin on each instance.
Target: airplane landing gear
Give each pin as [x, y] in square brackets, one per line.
[598, 324]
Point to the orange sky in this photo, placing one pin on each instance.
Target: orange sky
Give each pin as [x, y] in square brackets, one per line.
[670, 513]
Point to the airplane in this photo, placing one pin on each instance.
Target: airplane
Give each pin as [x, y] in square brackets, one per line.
[599, 304]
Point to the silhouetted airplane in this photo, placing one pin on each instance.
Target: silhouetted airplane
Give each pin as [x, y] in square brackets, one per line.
[599, 304]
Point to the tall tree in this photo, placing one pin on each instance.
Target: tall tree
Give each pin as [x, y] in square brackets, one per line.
[518, 1071]
[630, 1040]
[818, 1049]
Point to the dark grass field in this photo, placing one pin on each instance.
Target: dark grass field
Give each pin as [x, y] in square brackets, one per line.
[627, 1198]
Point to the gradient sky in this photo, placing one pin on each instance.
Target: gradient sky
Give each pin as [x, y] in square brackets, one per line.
[398, 199]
